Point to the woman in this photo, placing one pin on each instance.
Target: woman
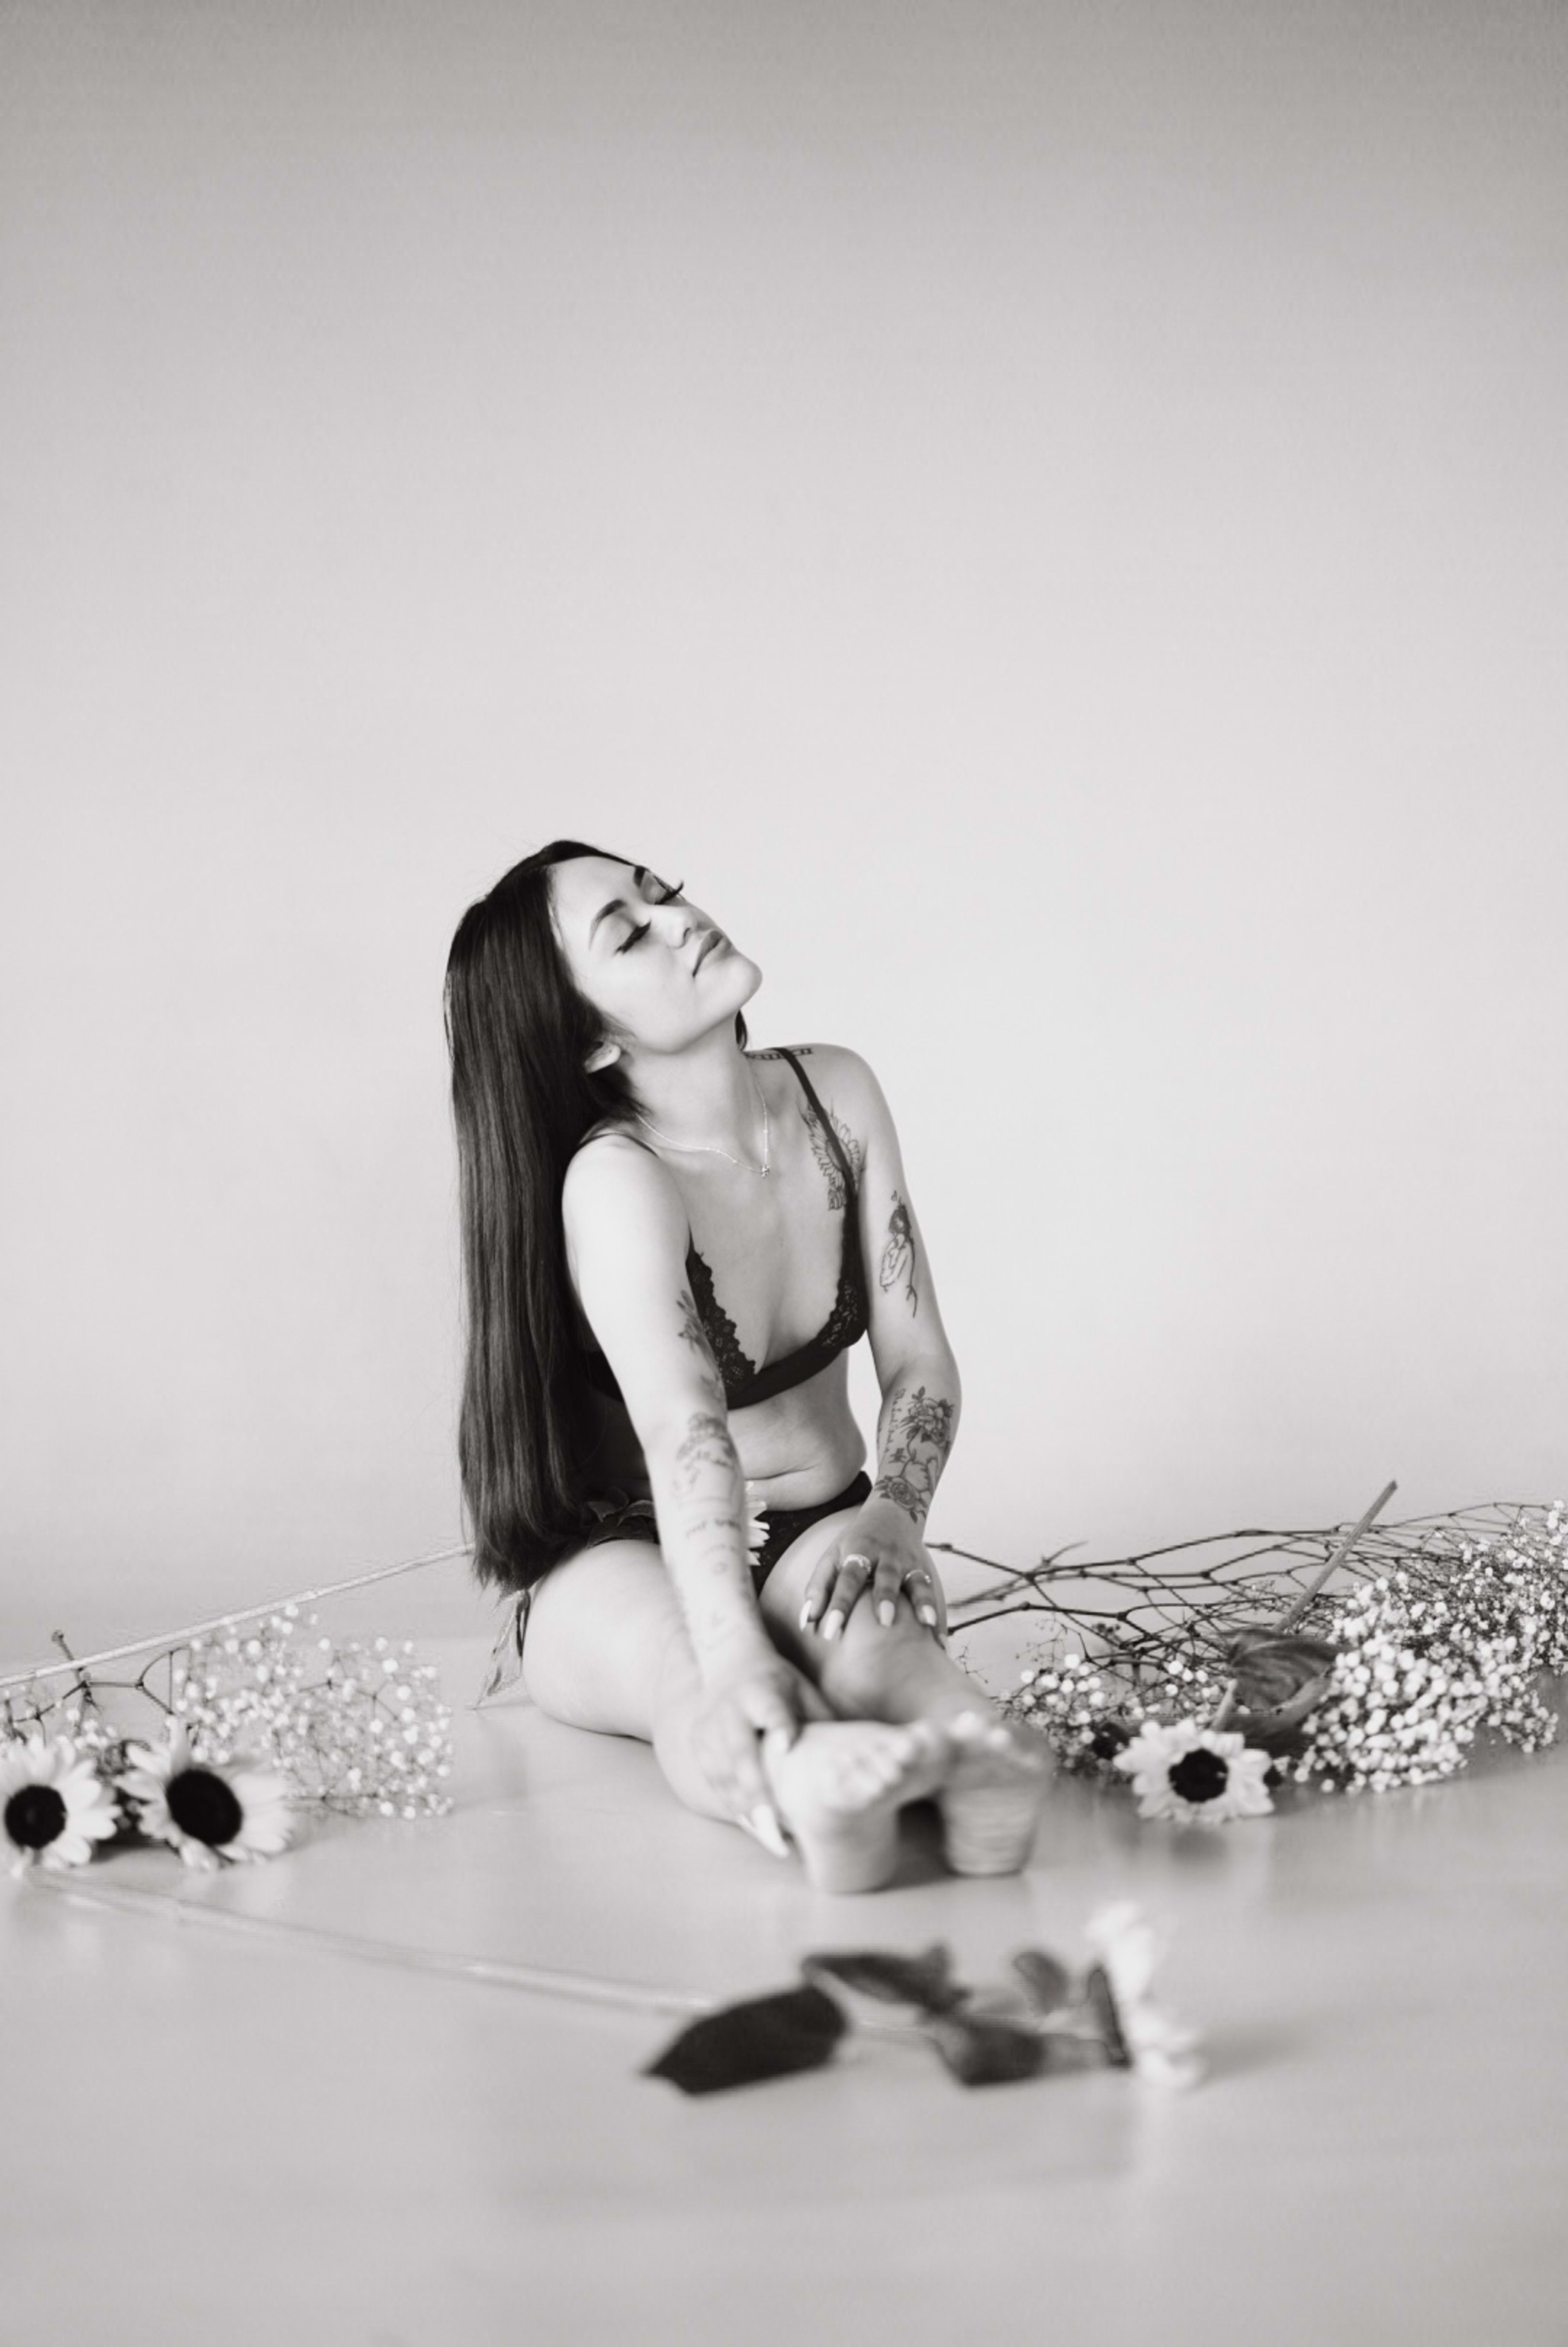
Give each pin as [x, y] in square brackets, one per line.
[669, 1242]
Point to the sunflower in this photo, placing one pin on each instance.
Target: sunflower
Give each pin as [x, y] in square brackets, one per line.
[207, 1813]
[53, 1803]
[1190, 1772]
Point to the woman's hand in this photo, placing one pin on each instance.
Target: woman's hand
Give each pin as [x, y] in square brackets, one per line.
[745, 1695]
[881, 1550]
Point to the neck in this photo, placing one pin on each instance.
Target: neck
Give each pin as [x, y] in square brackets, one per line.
[706, 1094]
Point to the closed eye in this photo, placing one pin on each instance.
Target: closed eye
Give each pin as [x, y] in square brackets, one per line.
[643, 928]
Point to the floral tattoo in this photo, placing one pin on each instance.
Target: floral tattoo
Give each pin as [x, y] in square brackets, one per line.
[898, 1253]
[695, 1336]
[823, 1151]
[914, 1449]
[709, 1495]
[705, 1447]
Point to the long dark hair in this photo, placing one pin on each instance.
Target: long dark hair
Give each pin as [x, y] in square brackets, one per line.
[518, 1031]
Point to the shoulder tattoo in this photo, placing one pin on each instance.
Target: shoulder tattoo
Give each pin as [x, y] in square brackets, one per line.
[822, 1151]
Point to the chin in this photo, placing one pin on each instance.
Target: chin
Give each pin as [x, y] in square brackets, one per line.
[743, 978]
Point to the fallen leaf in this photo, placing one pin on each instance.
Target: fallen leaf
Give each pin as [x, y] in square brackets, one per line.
[766, 2037]
[986, 2053]
[1048, 1982]
[924, 1980]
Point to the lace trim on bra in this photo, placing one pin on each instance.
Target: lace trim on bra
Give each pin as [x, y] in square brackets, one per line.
[845, 1325]
[734, 1366]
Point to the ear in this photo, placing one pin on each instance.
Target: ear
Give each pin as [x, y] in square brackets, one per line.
[604, 1057]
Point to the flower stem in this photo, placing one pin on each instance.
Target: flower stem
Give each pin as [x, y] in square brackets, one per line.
[1289, 1620]
[84, 1687]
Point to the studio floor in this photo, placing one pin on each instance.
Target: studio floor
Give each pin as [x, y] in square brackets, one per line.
[244, 2132]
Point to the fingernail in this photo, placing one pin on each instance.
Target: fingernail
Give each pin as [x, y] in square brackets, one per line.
[808, 1615]
[833, 1625]
[928, 1616]
[885, 1613]
[768, 1831]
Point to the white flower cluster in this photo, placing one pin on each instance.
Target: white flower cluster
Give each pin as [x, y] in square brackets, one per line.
[1069, 1698]
[1065, 1697]
[1430, 1657]
[358, 1729]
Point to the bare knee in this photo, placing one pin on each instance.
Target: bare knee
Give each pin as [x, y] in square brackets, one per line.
[868, 1662]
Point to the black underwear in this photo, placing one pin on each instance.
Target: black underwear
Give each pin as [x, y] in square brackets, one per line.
[623, 1519]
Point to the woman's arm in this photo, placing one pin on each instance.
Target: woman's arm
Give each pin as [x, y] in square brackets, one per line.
[625, 1246]
[916, 1367]
[922, 1396]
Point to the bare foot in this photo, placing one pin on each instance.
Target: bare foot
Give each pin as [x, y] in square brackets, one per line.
[840, 1787]
[991, 1801]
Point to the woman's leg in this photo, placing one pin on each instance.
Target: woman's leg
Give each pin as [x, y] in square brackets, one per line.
[606, 1649]
[991, 1800]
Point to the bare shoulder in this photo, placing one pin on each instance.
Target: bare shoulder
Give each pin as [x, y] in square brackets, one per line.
[615, 1184]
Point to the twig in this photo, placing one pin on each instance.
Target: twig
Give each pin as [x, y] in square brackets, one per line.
[1343, 1550]
[226, 1621]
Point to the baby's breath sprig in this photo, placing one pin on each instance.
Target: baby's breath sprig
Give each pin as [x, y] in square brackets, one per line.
[357, 1729]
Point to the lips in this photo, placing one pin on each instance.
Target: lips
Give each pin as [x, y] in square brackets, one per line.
[713, 938]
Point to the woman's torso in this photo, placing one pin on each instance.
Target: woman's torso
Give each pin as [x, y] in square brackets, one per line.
[778, 1279]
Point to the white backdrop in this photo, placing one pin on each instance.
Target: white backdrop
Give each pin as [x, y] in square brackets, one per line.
[1054, 520]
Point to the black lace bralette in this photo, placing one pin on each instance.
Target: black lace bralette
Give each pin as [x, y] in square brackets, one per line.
[744, 1382]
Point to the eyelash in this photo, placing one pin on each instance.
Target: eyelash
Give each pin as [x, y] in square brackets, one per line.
[668, 898]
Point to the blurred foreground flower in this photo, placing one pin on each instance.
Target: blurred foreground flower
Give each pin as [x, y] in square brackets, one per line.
[1048, 2021]
[1193, 1773]
[1164, 2050]
[54, 1803]
[208, 1814]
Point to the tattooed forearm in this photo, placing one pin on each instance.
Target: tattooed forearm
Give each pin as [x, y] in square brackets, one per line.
[700, 1495]
[898, 1253]
[823, 1152]
[704, 1457]
[914, 1437]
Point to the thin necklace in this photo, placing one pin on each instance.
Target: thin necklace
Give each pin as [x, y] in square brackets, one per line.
[710, 1149]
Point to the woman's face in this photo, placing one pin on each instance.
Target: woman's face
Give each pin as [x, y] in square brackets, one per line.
[659, 969]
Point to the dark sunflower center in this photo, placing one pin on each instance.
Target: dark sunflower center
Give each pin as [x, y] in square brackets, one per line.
[204, 1807]
[1200, 1776]
[35, 1817]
